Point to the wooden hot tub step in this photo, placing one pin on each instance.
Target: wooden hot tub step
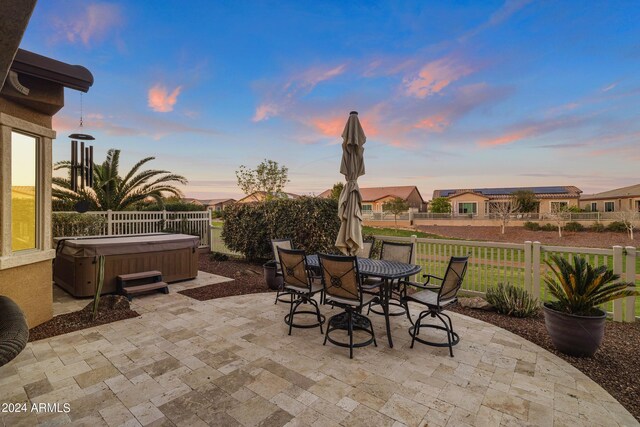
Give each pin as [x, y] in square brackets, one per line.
[145, 281]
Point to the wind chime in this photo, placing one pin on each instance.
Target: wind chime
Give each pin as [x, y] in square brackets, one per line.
[82, 164]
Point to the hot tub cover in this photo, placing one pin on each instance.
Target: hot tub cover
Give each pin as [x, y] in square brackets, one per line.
[115, 245]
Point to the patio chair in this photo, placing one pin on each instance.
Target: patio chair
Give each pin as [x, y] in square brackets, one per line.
[298, 281]
[391, 251]
[366, 249]
[437, 299]
[286, 244]
[342, 287]
[14, 332]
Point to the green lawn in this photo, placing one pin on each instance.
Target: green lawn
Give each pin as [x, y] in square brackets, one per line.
[216, 223]
[366, 230]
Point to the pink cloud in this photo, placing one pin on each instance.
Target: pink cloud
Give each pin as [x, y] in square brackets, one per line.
[92, 22]
[160, 100]
[435, 76]
[435, 123]
[530, 130]
[264, 112]
[286, 95]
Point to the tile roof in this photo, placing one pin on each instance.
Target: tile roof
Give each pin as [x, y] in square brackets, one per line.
[630, 191]
[211, 202]
[371, 194]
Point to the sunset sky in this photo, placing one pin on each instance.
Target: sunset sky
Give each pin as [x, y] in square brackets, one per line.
[450, 94]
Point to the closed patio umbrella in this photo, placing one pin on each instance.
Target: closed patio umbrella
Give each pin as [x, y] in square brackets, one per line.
[350, 204]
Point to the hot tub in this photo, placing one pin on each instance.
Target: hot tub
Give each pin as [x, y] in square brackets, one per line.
[75, 266]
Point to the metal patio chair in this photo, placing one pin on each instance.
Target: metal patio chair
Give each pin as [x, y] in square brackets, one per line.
[391, 251]
[342, 287]
[285, 244]
[437, 299]
[299, 282]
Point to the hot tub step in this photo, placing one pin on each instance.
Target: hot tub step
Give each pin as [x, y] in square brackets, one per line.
[138, 276]
[145, 281]
[130, 290]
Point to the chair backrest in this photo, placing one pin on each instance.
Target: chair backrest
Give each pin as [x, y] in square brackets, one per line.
[365, 250]
[293, 264]
[280, 243]
[453, 277]
[397, 251]
[340, 277]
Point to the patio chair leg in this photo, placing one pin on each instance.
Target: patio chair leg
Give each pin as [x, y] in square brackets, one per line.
[294, 307]
[416, 328]
[315, 304]
[449, 335]
[350, 323]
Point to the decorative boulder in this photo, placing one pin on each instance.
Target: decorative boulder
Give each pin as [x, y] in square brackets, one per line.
[475, 302]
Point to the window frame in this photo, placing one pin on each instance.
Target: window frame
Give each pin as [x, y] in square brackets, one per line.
[38, 201]
[44, 138]
[612, 204]
[474, 212]
[594, 206]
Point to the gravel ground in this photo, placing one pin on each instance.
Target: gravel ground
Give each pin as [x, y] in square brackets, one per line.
[247, 277]
[520, 234]
[614, 366]
[111, 309]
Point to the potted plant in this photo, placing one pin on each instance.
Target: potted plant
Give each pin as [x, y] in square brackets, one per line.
[574, 321]
[271, 276]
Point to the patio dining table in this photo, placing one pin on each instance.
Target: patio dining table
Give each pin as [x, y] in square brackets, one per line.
[388, 271]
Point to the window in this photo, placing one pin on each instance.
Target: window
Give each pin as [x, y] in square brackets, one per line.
[23, 191]
[366, 208]
[468, 208]
[594, 207]
[558, 206]
[609, 206]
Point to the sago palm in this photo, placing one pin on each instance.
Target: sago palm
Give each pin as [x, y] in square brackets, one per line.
[579, 287]
[112, 191]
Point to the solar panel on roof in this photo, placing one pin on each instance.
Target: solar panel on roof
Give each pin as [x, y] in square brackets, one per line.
[510, 190]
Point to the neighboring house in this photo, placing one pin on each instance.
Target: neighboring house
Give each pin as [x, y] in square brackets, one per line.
[373, 198]
[217, 205]
[481, 202]
[619, 199]
[192, 200]
[261, 196]
[32, 91]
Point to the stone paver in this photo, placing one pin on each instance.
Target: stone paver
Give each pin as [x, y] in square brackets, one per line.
[230, 362]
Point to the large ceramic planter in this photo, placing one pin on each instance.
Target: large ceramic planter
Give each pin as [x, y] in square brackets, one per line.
[574, 335]
[274, 280]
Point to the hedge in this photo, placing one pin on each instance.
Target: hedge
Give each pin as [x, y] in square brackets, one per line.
[75, 224]
[312, 223]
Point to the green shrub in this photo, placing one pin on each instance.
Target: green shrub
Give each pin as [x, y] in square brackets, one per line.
[533, 226]
[76, 224]
[512, 301]
[597, 227]
[617, 226]
[549, 227]
[312, 223]
[171, 206]
[574, 226]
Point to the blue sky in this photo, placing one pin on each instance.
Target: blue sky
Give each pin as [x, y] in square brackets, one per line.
[451, 94]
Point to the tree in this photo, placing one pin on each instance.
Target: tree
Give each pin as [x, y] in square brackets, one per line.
[336, 190]
[559, 215]
[630, 219]
[396, 206]
[440, 205]
[527, 200]
[113, 192]
[268, 176]
[504, 211]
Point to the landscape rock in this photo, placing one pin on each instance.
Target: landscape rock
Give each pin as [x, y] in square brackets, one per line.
[475, 302]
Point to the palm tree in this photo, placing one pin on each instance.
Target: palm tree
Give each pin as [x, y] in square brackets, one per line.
[111, 191]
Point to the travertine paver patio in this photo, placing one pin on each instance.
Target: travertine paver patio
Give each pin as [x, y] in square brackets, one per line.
[230, 362]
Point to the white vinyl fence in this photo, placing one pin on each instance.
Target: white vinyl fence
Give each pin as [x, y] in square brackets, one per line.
[523, 265]
[122, 223]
